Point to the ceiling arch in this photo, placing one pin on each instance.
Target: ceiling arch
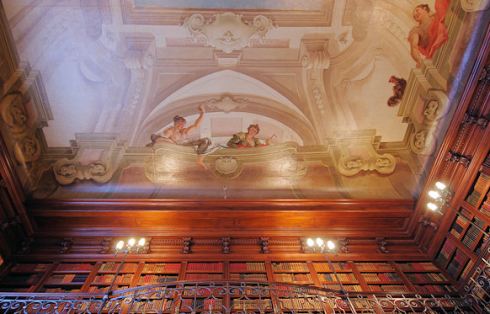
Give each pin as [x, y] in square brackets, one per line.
[221, 82]
[252, 104]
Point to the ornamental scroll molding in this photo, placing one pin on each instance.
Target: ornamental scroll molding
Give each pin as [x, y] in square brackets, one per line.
[227, 31]
[168, 161]
[423, 106]
[475, 5]
[315, 59]
[19, 128]
[357, 152]
[97, 159]
[227, 103]
[435, 107]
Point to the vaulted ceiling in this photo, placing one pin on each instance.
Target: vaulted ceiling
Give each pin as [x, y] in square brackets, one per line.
[353, 115]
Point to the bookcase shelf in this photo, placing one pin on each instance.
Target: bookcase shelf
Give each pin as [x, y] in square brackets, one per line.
[324, 267]
[354, 276]
[196, 271]
[467, 238]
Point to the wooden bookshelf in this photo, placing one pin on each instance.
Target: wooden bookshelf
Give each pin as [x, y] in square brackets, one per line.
[328, 279]
[292, 272]
[97, 276]
[381, 277]
[468, 237]
[67, 277]
[247, 271]
[155, 273]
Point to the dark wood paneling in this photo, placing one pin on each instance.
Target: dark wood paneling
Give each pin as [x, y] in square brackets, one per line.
[347, 218]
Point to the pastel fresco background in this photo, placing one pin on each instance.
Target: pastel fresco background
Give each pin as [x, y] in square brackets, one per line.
[351, 111]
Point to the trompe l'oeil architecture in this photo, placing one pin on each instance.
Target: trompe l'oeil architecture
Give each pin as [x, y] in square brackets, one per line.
[244, 157]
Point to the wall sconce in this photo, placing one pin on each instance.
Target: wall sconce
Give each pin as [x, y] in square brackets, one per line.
[131, 246]
[440, 196]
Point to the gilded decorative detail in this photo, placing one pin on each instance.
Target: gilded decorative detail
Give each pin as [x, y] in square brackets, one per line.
[227, 31]
[358, 153]
[67, 171]
[227, 103]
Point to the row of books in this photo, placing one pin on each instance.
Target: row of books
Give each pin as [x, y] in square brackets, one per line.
[325, 267]
[436, 289]
[374, 267]
[459, 226]
[485, 207]
[244, 304]
[346, 287]
[68, 278]
[302, 304]
[419, 266]
[244, 267]
[74, 267]
[97, 289]
[153, 306]
[205, 267]
[471, 236]
[161, 268]
[107, 279]
[446, 252]
[112, 267]
[417, 277]
[482, 184]
[388, 288]
[155, 279]
[204, 276]
[379, 277]
[248, 277]
[342, 277]
[293, 277]
[289, 267]
[201, 304]
[457, 262]
[29, 268]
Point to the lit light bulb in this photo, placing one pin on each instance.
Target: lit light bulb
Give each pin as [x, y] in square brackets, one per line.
[432, 206]
[131, 242]
[120, 245]
[441, 186]
[330, 245]
[310, 242]
[141, 242]
[319, 242]
[434, 194]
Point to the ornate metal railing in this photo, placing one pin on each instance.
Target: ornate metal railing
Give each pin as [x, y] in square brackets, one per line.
[478, 287]
[230, 297]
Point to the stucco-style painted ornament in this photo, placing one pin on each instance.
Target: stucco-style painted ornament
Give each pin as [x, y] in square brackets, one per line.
[435, 107]
[358, 152]
[227, 103]
[67, 171]
[352, 165]
[227, 166]
[227, 31]
[14, 113]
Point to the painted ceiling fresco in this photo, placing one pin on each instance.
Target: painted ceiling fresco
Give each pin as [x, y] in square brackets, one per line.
[234, 99]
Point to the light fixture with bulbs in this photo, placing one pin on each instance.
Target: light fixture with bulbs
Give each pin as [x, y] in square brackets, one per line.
[324, 245]
[130, 246]
[439, 197]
